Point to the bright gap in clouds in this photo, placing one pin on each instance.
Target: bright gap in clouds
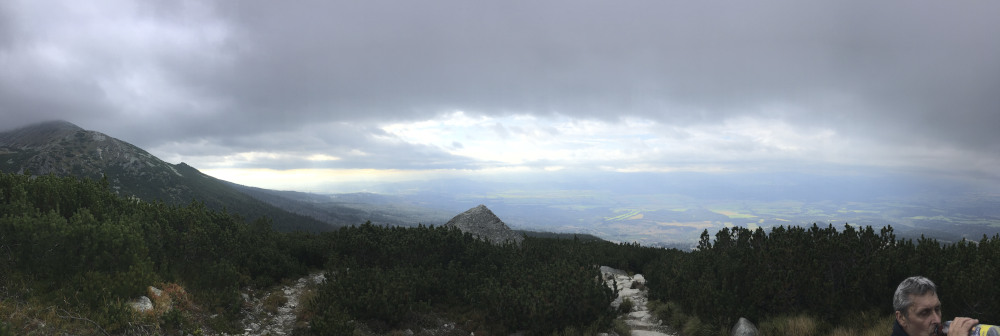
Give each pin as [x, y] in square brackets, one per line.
[517, 144]
[628, 144]
[312, 180]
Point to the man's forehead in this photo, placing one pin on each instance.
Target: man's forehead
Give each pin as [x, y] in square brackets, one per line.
[929, 300]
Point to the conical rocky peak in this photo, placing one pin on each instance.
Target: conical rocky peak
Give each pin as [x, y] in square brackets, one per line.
[482, 223]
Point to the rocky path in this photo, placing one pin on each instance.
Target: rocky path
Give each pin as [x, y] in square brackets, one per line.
[633, 288]
[270, 314]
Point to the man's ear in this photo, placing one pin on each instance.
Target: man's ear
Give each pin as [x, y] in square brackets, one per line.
[900, 319]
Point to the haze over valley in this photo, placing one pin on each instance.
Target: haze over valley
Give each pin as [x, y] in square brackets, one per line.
[674, 208]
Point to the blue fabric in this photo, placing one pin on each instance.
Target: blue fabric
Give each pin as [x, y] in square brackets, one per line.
[897, 330]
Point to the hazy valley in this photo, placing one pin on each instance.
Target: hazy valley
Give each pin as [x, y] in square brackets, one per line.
[673, 209]
[655, 209]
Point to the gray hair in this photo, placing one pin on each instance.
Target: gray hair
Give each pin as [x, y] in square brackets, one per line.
[916, 285]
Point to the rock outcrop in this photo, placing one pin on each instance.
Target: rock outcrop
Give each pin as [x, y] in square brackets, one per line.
[482, 223]
[142, 304]
[744, 327]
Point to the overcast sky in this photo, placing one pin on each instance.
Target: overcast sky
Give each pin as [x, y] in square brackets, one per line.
[284, 94]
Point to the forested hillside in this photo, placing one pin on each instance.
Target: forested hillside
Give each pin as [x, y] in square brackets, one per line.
[832, 276]
[77, 248]
[73, 253]
[63, 149]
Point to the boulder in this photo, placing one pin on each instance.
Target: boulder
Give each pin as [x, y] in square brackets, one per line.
[142, 304]
[744, 327]
[161, 301]
[482, 223]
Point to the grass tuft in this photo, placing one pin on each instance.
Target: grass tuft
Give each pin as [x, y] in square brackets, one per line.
[789, 325]
[621, 328]
[860, 324]
[274, 301]
[626, 306]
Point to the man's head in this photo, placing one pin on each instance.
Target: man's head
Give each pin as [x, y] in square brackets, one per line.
[918, 309]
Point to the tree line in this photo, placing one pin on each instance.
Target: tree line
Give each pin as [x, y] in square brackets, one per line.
[394, 275]
[75, 245]
[78, 246]
[822, 272]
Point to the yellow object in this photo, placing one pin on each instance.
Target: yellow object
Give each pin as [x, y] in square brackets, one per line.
[984, 329]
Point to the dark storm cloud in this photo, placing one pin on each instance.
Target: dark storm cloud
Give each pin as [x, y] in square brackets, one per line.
[890, 68]
[894, 72]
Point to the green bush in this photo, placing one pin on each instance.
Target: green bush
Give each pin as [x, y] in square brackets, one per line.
[5, 329]
[621, 328]
[626, 306]
[330, 320]
[544, 286]
[176, 320]
[660, 310]
[82, 248]
[819, 271]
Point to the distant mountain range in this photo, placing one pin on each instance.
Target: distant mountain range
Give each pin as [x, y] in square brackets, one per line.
[64, 149]
[668, 209]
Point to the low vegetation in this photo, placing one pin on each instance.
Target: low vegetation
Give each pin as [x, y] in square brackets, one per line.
[73, 255]
[78, 248]
[791, 277]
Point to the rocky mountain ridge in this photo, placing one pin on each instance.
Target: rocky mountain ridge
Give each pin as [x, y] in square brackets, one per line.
[481, 222]
[63, 149]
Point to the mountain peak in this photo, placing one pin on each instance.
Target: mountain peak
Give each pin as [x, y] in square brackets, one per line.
[62, 148]
[481, 222]
[55, 125]
[38, 134]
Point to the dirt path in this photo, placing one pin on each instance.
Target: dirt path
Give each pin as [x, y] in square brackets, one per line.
[633, 288]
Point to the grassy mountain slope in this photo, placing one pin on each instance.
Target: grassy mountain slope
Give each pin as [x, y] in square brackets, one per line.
[63, 149]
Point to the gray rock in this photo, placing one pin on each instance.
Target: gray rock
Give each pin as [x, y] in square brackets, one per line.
[482, 223]
[142, 304]
[744, 327]
[612, 271]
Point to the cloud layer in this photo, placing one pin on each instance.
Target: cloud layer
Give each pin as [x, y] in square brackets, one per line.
[637, 86]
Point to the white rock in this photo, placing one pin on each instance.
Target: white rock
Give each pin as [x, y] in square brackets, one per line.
[142, 304]
[639, 319]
